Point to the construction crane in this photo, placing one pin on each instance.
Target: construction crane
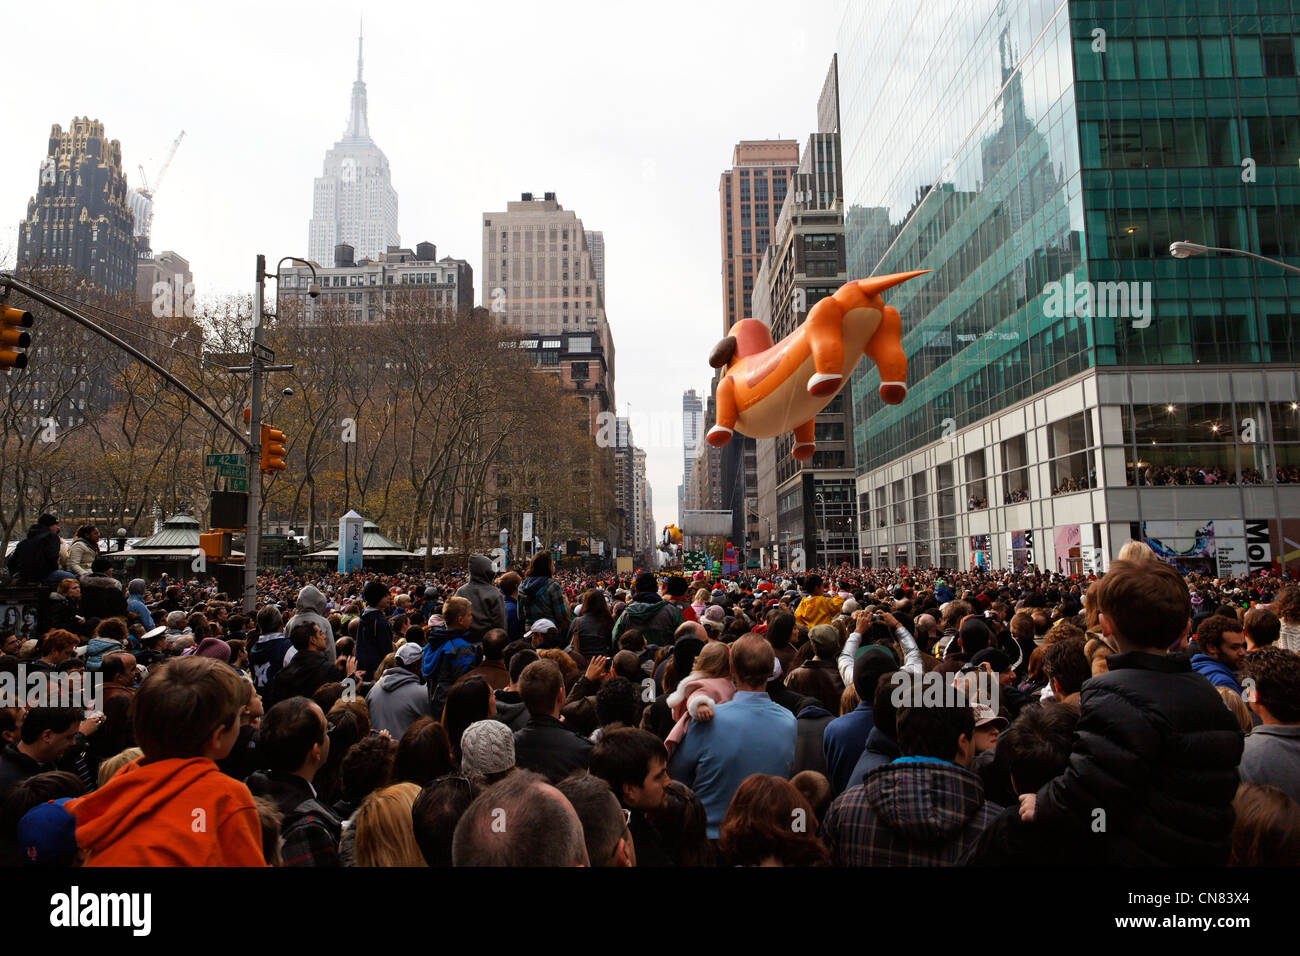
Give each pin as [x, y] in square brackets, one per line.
[144, 212]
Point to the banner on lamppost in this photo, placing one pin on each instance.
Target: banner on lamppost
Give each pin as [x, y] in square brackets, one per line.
[528, 527]
[351, 536]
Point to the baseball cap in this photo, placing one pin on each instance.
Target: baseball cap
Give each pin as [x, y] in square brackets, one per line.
[409, 653]
[986, 716]
[47, 834]
[543, 625]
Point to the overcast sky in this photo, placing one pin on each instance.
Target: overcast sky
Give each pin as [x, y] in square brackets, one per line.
[628, 112]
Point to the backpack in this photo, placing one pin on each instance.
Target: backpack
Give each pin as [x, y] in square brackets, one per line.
[451, 661]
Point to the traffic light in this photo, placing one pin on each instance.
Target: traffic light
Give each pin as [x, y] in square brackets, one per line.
[12, 321]
[274, 450]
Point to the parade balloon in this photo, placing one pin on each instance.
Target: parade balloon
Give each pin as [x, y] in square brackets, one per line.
[768, 389]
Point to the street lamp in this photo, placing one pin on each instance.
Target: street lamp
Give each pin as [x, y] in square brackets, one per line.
[1185, 250]
[121, 539]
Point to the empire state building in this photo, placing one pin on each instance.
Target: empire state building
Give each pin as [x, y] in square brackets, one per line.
[354, 201]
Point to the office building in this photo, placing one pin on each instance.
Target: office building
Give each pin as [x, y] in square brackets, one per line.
[1072, 386]
[359, 290]
[80, 218]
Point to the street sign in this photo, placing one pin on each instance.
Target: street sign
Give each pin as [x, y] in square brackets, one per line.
[230, 459]
[232, 471]
[263, 353]
[237, 484]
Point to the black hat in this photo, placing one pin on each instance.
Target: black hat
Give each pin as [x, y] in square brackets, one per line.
[47, 521]
[684, 653]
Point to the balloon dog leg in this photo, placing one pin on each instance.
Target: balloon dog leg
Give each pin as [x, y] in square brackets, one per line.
[725, 398]
[804, 446]
[885, 348]
[825, 331]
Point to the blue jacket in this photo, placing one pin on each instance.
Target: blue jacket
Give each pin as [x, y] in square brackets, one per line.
[1215, 671]
[844, 740]
[748, 734]
[135, 606]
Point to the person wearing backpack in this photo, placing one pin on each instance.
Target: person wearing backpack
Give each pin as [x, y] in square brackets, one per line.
[448, 653]
[540, 596]
[654, 617]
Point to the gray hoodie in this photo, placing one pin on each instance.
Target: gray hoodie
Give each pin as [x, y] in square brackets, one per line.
[310, 606]
[397, 701]
[485, 599]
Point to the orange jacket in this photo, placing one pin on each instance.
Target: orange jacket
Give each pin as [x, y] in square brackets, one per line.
[818, 610]
[175, 812]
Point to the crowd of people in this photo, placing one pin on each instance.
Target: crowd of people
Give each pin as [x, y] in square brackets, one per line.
[1158, 475]
[848, 717]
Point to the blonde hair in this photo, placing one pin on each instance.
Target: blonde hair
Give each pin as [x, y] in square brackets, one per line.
[849, 700]
[714, 660]
[1238, 707]
[1136, 551]
[702, 595]
[385, 833]
[109, 768]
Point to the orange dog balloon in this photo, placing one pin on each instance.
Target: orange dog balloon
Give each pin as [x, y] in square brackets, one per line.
[768, 389]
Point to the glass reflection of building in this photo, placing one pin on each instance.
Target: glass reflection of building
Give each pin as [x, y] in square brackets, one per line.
[1025, 150]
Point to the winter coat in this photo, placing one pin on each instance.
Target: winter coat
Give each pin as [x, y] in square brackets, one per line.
[808, 754]
[300, 677]
[592, 636]
[511, 710]
[310, 831]
[81, 555]
[654, 617]
[881, 749]
[37, 555]
[547, 747]
[1156, 751]
[310, 606]
[684, 701]
[397, 701]
[1272, 756]
[265, 658]
[374, 641]
[916, 811]
[514, 626]
[543, 597]
[101, 597]
[485, 600]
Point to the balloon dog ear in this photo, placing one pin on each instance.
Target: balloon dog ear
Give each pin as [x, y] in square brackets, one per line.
[722, 352]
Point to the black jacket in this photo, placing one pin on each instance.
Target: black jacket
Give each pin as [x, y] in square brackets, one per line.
[300, 677]
[547, 747]
[310, 829]
[374, 641]
[592, 636]
[1153, 771]
[16, 766]
[37, 555]
[101, 597]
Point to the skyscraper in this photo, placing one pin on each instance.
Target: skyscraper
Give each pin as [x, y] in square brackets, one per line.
[80, 217]
[539, 274]
[596, 243]
[749, 199]
[750, 195]
[692, 419]
[1072, 386]
[354, 201]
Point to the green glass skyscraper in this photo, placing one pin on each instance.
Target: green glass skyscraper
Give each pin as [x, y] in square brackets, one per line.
[1072, 384]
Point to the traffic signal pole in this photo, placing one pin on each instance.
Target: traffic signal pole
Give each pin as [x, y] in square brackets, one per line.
[253, 531]
[37, 296]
